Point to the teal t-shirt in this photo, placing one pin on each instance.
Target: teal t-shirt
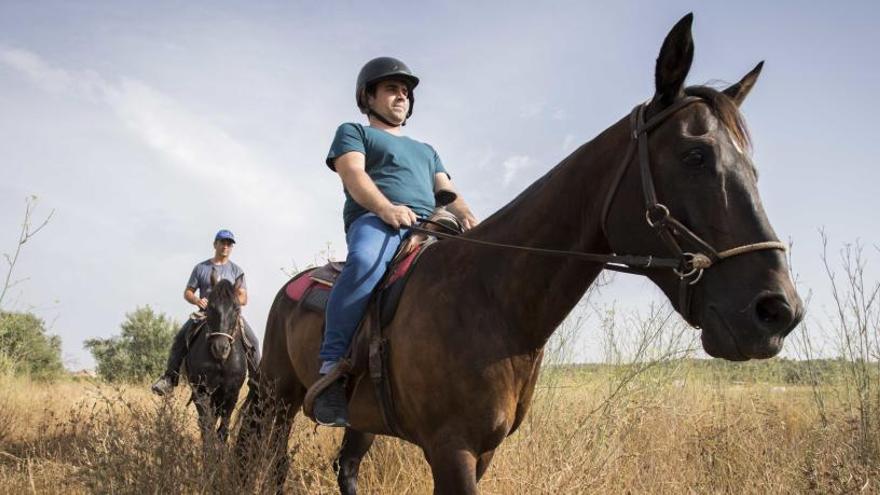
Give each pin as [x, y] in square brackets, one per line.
[402, 168]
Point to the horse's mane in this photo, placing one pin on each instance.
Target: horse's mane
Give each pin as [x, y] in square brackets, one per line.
[222, 293]
[726, 111]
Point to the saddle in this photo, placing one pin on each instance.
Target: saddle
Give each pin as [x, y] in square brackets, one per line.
[311, 289]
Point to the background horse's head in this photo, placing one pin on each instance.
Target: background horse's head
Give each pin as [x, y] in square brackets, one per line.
[704, 175]
[224, 312]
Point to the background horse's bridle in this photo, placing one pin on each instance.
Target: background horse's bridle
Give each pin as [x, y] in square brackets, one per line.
[235, 331]
[687, 265]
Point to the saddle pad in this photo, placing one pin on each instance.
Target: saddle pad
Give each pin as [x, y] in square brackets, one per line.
[400, 269]
[297, 287]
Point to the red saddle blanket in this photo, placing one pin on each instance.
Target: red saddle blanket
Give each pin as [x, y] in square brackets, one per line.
[323, 278]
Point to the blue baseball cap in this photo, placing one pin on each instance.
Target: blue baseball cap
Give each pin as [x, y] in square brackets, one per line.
[224, 235]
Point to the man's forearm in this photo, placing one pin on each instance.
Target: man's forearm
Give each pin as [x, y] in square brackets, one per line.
[364, 191]
[190, 297]
[459, 208]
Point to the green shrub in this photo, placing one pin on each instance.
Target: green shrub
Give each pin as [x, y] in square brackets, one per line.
[139, 352]
[26, 348]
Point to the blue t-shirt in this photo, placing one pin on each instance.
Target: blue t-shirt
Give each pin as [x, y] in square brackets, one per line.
[201, 276]
[401, 167]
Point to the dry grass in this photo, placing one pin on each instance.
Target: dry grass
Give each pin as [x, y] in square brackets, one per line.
[647, 422]
[678, 431]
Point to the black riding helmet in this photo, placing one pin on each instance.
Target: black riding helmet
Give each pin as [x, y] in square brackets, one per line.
[384, 68]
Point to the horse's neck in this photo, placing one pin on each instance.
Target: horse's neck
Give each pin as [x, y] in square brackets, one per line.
[534, 293]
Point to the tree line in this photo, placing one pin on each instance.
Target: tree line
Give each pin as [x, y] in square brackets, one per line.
[137, 353]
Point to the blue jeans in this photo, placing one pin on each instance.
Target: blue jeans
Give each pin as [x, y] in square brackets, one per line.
[371, 245]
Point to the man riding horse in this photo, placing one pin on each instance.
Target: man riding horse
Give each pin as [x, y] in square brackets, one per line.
[389, 181]
[204, 276]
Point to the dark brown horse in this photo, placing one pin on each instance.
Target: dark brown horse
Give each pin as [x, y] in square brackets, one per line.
[467, 340]
[215, 362]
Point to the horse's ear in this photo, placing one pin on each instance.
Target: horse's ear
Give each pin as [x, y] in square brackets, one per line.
[673, 63]
[215, 276]
[740, 90]
[238, 281]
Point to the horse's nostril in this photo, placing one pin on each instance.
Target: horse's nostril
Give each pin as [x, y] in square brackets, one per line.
[773, 313]
[768, 311]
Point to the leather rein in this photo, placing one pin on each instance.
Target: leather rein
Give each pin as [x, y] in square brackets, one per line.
[687, 265]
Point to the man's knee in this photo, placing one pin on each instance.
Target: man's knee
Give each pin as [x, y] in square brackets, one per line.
[365, 257]
[368, 263]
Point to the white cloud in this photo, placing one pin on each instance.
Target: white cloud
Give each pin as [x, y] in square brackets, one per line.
[31, 65]
[48, 78]
[199, 149]
[512, 166]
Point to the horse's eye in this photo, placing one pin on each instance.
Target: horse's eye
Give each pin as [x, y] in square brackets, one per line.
[694, 158]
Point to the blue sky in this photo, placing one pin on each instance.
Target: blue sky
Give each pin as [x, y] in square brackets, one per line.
[147, 127]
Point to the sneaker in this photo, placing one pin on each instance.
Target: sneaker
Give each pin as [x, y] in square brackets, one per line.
[162, 387]
[331, 406]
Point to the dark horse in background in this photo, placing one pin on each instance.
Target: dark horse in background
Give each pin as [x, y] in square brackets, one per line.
[216, 362]
[463, 368]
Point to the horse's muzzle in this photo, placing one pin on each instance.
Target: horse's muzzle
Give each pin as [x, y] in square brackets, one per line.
[220, 349]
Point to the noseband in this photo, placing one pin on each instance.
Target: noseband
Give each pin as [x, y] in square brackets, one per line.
[688, 266]
[235, 332]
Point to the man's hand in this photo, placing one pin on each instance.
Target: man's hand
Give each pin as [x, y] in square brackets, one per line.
[202, 303]
[397, 216]
[459, 208]
[468, 221]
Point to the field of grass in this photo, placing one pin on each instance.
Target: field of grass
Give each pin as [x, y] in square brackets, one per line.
[678, 426]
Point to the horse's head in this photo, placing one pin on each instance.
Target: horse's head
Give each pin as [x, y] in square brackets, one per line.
[738, 288]
[223, 312]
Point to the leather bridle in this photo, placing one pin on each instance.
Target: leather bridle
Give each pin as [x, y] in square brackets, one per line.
[235, 332]
[688, 266]
[692, 264]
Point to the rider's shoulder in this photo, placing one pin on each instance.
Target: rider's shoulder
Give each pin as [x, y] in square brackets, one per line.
[208, 262]
[431, 148]
[351, 128]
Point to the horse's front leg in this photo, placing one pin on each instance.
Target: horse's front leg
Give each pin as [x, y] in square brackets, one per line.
[355, 445]
[453, 467]
[267, 418]
[223, 430]
[207, 420]
[224, 403]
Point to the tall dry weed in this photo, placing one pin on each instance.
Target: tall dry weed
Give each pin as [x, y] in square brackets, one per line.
[850, 458]
[648, 420]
